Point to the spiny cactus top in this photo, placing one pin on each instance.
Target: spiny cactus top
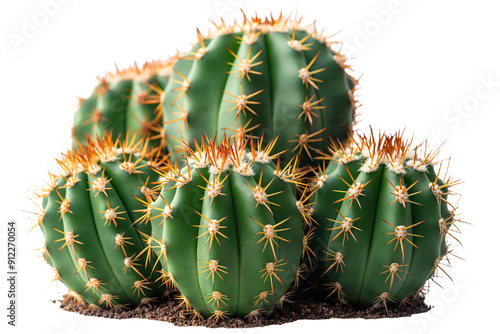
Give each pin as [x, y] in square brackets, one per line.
[128, 101]
[383, 217]
[227, 229]
[88, 215]
[272, 77]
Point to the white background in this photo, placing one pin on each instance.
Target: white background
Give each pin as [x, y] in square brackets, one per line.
[429, 66]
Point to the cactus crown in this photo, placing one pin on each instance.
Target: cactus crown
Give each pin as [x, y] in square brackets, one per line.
[106, 149]
[253, 26]
[239, 154]
[141, 73]
[391, 150]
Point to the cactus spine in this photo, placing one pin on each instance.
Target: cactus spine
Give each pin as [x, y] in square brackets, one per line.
[227, 230]
[384, 220]
[87, 219]
[271, 77]
[128, 101]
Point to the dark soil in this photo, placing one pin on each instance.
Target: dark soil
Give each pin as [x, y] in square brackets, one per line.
[299, 307]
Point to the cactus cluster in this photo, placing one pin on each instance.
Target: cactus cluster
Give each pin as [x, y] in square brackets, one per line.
[127, 101]
[383, 220]
[272, 77]
[88, 218]
[145, 201]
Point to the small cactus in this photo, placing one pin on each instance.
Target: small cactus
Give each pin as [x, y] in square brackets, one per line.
[227, 230]
[128, 101]
[265, 76]
[383, 220]
[88, 221]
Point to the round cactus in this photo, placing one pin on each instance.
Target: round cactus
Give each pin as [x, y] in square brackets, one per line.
[271, 77]
[128, 101]
[227, 230]
[383, 220]
[94, 233]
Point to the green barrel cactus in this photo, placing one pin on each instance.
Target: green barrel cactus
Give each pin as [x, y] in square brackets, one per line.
[93, 228]
[128, 101]
[272, 77]
[227, 229]
[383, 220]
